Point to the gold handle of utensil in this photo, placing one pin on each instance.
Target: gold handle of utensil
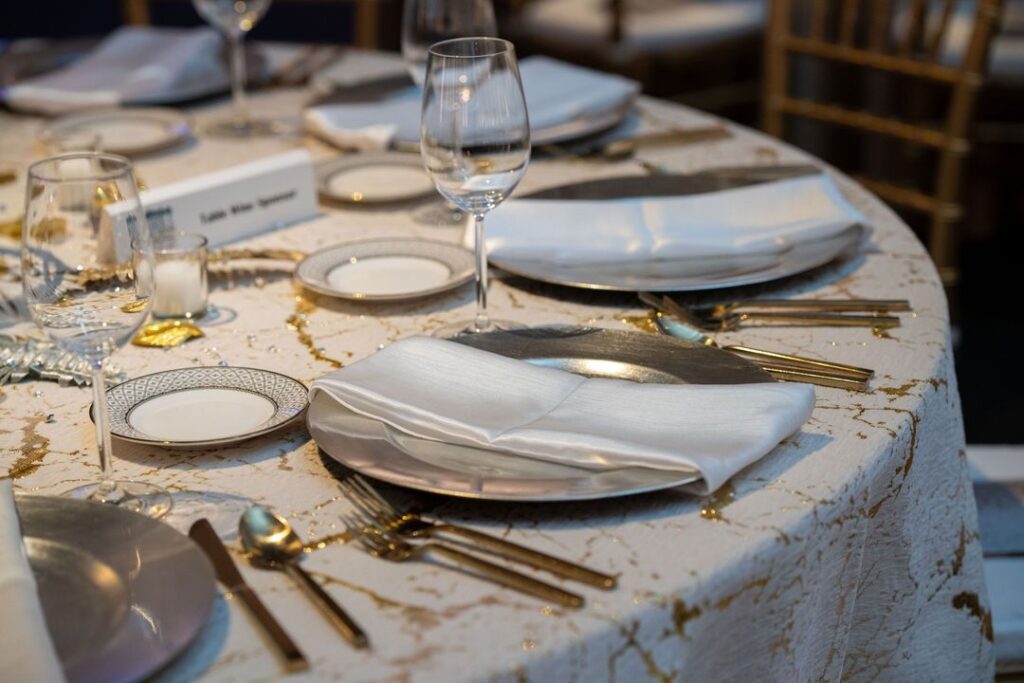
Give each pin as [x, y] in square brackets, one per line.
[784, 359]
[239, 254]
[507, 577]
[294, 659]
[680, 136]
[534, 558]
[792, 375]
[823, 319]
[879, 305]
[348, 628]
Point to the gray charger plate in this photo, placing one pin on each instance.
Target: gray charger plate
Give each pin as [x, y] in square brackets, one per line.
[382, 452]
[122, 594]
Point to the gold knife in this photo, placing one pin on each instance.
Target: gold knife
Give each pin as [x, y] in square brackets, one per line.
[227, 573]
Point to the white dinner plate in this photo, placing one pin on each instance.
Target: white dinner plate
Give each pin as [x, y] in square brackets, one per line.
[126, 131]
[374, 178]
[386, 269]
[378, 450]
[122, 594]
[204, 406]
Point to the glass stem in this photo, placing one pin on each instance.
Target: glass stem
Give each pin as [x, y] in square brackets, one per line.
[241, 108]
[482, 322]
[101, 417]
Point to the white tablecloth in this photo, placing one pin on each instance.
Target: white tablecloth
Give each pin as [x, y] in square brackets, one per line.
[851, 553]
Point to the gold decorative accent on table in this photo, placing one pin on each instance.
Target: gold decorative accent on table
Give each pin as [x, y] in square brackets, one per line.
[167, 334]
[712, 508]
[299, 322]
[48, 229]
[11, 228]
[7, 175]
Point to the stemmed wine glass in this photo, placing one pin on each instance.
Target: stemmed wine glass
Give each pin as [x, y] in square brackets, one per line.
[475, 140]
[88, 282]
[425, 22]
[235, 18]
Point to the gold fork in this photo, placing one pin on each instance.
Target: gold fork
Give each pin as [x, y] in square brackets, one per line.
[361, 494]
[378, 542]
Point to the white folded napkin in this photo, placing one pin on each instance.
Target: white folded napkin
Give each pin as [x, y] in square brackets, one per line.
[753, 221]
[555, 92]
[449, 392]
[134, 65]
[26, 653]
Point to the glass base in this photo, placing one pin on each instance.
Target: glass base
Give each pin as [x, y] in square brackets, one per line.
[222, 510]
[464, 327]
[146, 499]
[442, 215]
[250, 128]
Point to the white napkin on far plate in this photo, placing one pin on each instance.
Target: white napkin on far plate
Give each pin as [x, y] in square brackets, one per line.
[555, 92]
[449, 392]
[758, 220]
[134, 65]
[26, 653]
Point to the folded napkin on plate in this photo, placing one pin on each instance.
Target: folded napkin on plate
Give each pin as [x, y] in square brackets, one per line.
[446, 391]
[26, 653]
[760, 219]
[135, 65]
[556, 93]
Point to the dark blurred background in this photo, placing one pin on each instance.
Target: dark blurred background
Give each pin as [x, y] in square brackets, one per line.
[718, 67]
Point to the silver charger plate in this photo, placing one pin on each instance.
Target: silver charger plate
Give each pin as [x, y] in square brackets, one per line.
[691, 274]
[386, 269]
[377, 450]
[374, 178]
[203, 406]
[127, 131]
[121, 593]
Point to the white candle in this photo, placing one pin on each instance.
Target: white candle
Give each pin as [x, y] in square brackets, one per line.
[180, 289]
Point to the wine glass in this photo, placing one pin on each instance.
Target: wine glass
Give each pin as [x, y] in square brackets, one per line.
[475, 140]
[425, 22]
[88, 283]
[235, 18]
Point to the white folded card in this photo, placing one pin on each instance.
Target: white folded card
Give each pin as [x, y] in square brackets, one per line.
[449, 392]
[760, 219]
[224, 206]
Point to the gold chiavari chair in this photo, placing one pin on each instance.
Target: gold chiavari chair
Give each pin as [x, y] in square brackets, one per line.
[900, 38]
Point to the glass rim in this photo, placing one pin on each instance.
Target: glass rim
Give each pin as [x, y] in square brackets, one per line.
[502, 47]
[125, 167]
[168, 242]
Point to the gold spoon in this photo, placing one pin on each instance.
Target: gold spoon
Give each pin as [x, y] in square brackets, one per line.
[275, 545]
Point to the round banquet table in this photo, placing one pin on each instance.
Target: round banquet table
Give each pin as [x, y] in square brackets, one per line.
[851, 552]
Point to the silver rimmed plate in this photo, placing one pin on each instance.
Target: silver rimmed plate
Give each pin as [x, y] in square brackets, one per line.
[374, 178]
[122, 594]
[126, 131]
[204, 406]
[691, 274]
[380, 451]
[386, 269]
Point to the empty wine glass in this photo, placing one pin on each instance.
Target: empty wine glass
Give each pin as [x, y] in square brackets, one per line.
[234, 19]
[425, 22]
[88, 281]
[475, 140]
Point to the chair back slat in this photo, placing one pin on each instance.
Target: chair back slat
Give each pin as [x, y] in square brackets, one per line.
[848, 23]
[881, 19]
[914, 28]
[819, 18]
[938, 32]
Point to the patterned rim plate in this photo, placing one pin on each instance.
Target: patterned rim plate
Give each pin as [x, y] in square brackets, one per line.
[386, 270]
[204, 406]
[382, 178]
[122, 594]
[127, 131]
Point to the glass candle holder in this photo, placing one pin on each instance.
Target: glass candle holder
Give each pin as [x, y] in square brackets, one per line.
[179, 275]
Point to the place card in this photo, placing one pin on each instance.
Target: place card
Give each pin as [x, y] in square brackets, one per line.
[224, 206]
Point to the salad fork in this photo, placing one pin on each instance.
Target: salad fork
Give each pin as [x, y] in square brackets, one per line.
[380, 543]
[361, 494]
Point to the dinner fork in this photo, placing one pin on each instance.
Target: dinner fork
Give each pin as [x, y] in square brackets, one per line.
[380, 543]
[361, 494]
[719, 319]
